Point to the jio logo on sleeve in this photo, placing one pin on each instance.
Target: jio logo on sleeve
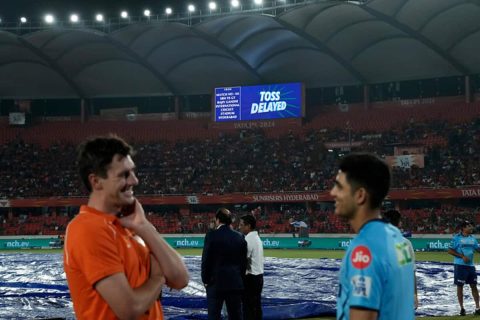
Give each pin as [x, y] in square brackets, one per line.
[361, 257]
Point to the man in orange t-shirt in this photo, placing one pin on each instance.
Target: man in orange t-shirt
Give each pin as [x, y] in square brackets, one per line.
[116, 265]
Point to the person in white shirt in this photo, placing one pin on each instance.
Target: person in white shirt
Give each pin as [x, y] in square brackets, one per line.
[252, 298]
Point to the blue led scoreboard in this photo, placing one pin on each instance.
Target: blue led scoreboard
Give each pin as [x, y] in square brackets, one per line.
[273, 101]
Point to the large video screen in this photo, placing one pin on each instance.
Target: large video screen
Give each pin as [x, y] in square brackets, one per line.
[273, 101]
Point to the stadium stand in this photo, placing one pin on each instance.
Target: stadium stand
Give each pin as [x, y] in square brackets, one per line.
[442, 220]
[192, 157]
[213, 162]
[205, 161]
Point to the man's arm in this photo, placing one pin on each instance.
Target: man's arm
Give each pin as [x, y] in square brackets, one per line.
[415, 295]
[245, 261]
[171, 263]
[363, 314]
[459, 255]
[206, 269]
[126, 302]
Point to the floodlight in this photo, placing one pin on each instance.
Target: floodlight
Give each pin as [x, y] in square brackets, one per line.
[49, 18]
[74, 18]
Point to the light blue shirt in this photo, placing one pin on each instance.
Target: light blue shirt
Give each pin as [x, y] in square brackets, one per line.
[464, 245]
[378, 273]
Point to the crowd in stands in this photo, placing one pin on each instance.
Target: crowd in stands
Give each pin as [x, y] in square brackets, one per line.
[254, 160]
[29, 224]
[251, 161]
[443, 220]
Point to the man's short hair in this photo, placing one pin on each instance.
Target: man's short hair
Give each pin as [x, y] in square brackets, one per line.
[224, 216]
[392, 216]
[96, 154]
[250, 220]
[465, 223]
[364, 170]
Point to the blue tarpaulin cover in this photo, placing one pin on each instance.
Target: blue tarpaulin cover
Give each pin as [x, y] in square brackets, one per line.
[34, 286]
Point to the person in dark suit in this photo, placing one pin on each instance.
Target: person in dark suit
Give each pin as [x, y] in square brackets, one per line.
[224, 263]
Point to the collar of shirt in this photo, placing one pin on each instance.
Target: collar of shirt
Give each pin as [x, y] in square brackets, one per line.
[84, 209]
[252, 234]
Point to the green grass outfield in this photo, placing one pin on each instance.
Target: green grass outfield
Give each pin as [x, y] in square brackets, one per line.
[308, 254]
[438, 256]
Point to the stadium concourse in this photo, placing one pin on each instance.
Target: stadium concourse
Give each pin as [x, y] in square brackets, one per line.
[398, 78]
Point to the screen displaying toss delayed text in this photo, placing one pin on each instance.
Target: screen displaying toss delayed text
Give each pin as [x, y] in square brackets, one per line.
[273, 101]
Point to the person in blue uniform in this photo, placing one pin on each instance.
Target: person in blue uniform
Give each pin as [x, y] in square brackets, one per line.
[463, 247]
[377, 273]
[393, 216]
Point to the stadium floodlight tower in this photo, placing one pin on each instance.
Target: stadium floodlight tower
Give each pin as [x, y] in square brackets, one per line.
[212, 6]
[124, 14]
[147, 13]
[23, 20]
[168, 12]
[99, 17]
[191, 9]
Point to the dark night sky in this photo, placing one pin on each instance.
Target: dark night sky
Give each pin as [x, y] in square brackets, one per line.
[11, 10]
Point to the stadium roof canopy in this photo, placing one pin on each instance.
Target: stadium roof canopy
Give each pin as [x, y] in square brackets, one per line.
[325, 43]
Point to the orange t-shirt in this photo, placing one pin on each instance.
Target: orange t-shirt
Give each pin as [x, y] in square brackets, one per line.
[97, 246]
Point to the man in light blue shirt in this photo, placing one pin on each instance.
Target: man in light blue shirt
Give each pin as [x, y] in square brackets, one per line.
[377, 273]
[393, 216]
[463, 247]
